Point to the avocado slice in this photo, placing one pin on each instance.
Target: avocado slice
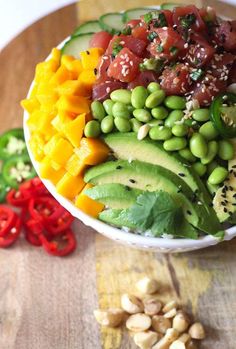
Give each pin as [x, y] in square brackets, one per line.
[119, 218]
[114, 195]
[224, 202]
[149, 177]
[126, 146]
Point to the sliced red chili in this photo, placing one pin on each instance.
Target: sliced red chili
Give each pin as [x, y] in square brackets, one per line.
[60, 224]
[18, 198]
[35, 226]
[32, 238]
[34, 187]
[7, 219]
[43, 207]
[61, 245]
[13, 234]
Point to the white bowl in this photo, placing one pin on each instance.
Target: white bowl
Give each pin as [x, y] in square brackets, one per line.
[163, 245]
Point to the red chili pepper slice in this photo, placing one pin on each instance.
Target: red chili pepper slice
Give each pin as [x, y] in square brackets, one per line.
[53, 245]
[34, 187]
[12, 235]
[32, 238]
[7, 219]
[42, 207]
[18, 198]
[35, 226]
[59, 225]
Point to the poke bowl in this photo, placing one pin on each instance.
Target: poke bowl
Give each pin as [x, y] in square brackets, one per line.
[130, 125]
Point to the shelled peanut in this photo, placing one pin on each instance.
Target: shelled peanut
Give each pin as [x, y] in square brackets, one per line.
[152, 324]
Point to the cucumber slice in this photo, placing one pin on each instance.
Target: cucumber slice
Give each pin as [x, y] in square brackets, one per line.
[88, 27]
[76, 44]
[170, 6]
[112, 22]
[135, 13]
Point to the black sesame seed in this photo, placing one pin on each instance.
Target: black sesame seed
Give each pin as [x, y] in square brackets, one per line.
[231, 188]
[234, 204]
[95, 71]
[234, 196]
[118, 167]
[189, 212]
[225, 210]
[181, 174]
[88, 53]
[223, 203]
[132, 180]
[234, 166]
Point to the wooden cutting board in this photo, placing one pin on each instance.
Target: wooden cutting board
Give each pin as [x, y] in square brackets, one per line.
[47, 302]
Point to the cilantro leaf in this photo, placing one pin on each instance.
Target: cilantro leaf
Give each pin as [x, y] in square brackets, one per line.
[157, 212]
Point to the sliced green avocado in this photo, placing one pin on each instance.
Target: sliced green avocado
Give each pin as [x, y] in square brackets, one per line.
[126, 146]
[119, 218]
[114, 195]
[224, 201]
[149, 177]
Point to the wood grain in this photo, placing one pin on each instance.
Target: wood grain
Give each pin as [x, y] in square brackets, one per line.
[46, 302]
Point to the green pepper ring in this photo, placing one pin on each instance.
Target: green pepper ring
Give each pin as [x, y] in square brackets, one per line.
[3, 189]
[4, 139]
[215, 115]
[11, 162]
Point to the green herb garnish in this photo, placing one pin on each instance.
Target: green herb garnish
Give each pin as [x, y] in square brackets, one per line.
[159, 48]
[196, 74]
[160, 21]
[126, 31]
[148, 17]
[157, 212]
[188, 20]
[174, 50]
[116, 48]
[152, 35]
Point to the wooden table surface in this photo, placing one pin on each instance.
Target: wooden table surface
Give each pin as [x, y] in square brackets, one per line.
[48, 302]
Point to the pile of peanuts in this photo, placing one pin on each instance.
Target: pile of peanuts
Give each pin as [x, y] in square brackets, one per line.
[152, 324]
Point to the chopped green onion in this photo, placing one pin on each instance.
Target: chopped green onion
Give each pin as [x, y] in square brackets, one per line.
[196, 74]
[160, 48]
[152, 64]
[126, 31]
[152, 35]
[174, 50]
[188, 20]
[160, 21]
[147, 17]
[116, 48]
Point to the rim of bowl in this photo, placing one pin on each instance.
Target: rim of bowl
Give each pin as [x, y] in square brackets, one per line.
[109, 230]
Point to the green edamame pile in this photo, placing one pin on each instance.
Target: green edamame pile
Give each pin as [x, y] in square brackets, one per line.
[191, 135]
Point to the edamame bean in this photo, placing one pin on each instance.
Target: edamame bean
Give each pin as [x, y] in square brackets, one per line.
[175, 143]
[108, 105]
[135, 124]
[199, 168]
[208, 131]
[98, 110]
[121, 95]
[159, 113]
[120, 110]
[175, 102]
[155, 99]
[211, 166]
[192, 123]
[142, 115]
[160, 133]
[155, 123]
[218, 175]
[175, 115]
[122, 125]
[153, 86]
[107, 124]
[211, 153]
[138, 97]
[201, 115]
[226, 150]
[180, 130]
[187, 155]
[212, 188]
[92, 129]
[198, 145]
